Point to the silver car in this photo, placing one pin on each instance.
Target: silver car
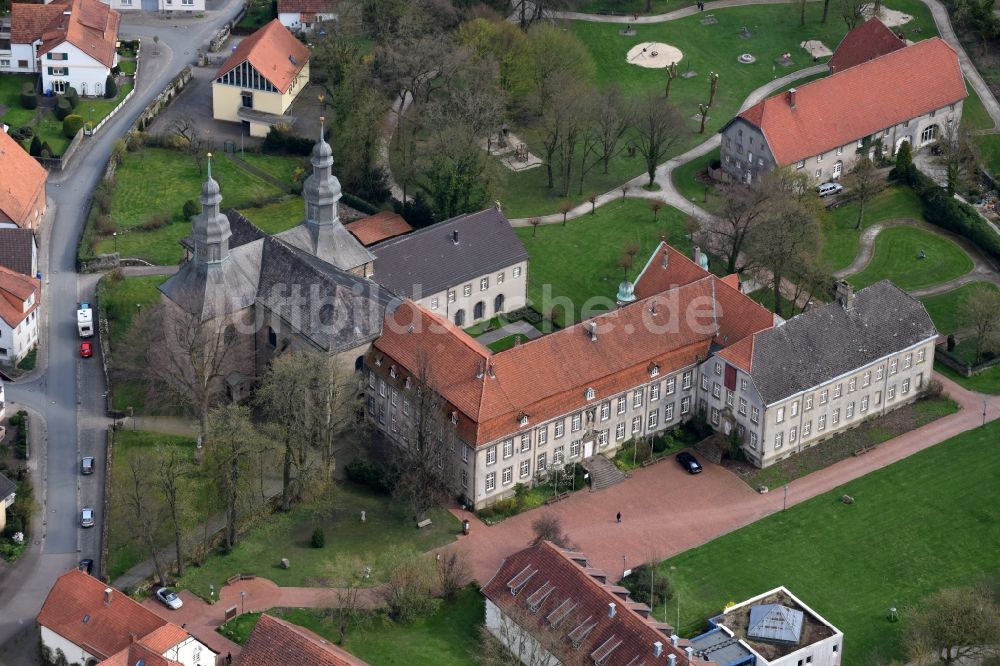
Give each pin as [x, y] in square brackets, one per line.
[87, 517]
[169, 598]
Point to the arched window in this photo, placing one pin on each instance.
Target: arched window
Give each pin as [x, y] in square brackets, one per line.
[498, 304]
[460, 318]
[272, 337]
[359, 364]
[479, 310]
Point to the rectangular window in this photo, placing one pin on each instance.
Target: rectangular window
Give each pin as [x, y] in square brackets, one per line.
[890, 393]
[716, 390]
[637, 399]
[484, 284]
[671, 383]
[837, 390]
[879, 372]
[602, 438]
[806, 428]
[381, 387]
[754, 415]
[557, 456]
[906, 386]
[866, 379]
[541, 464]
[753, 441]
[835, 418]
[686, 380]
[730, 397]
[743, 384]
[491, 455]
[907, 360]
[878, 397]
[849, 411]
[560, 428]
[718, 368]
[451, 296]
[508, 475]
[434, 303]
[654, 392]
[371, 379]
[465, 479]
[467, 290]
[395, 397]
[653, 420]
[801, 164]
[574, 449]
[636, 425]
[864, 404]
[704, 382]
[516, 272]
[524, 468]
[715, 416]
[371, 398]
[500, 277]
[622, 404]
[852, 384]
[668, 413]
[543, 435]
[840, 150]
[795, 408]
[807, 402]
[685, 405]
[508, 448]
[577, 423]
[824, 396]
[778, 437]
[821, 423]
[920, 355]
[406, 407]
[819, 158]
[743, 406]
[892, 366]
[780, 415]
[606, 410]
[620, 431]
[525, 442]
[491, 481]
[465, 453]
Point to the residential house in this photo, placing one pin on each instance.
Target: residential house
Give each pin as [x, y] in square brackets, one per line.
[274, 641]
[164, 5]
[19, 308]
[548, 605]
[19, 251]
[306, 15]
[71, 43]
[466, 269]
[261, 79]
[92, 624]
[22, 193]
[820, 128]
[771, 629]
[828, 369]
[376, 228]
[868, 41]
[8, 493]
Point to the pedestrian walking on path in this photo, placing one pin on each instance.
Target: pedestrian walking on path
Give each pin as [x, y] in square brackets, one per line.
[618, 518]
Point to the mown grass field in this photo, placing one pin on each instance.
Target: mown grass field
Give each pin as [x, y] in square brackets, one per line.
[896, 257]
[944, 308]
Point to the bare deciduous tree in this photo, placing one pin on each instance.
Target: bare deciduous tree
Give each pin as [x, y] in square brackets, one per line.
[657, 128]
[408, 589]
[548, 527]
[980, 312]
[958, 153]
[171, 468]
[145, 510]
[742, 207]
[453, 573]
[956, 624]
[864, 182]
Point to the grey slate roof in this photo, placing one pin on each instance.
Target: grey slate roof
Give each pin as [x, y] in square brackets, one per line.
[776, 623]
[330, 242]
[7, 487]
[429, 258]
[830, 341]
[16, 249]
[212, 291]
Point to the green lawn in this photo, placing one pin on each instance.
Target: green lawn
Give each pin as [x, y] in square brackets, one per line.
[579, 261]
[124, 548]
[127, 67]
[507, 343]
[687, 180]
[974, 115]
[119, 300]
[915, 527]
[706, 49]
[987, 381]
[258, 14]
[989, 150]
[348, 541]
[896, 258]
[277, 216]
[839, 225]
[448, 637]
[10, 97]
[281, 167]
[630, 6]
[765, 297]
[943, 308]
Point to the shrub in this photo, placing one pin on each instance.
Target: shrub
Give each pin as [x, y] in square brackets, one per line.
[661, 444]
[104, 225]
[71, 95]
[363, 472]
[23, 133]
[648, 585]
[110, 87]
[951, 342]
[71, 125]
[63, 108]
[904, 169]
[35, 149]
[102, 199]
[947, 212]
[29, 99]
[191, 208]
[934, 389]
[116, 70]
[157, 221]
[318, 538]
[281, 140]
[46, 150]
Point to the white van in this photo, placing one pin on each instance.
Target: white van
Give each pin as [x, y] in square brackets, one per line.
[826, 189]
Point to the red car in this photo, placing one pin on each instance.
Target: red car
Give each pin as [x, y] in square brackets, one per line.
[86, 350]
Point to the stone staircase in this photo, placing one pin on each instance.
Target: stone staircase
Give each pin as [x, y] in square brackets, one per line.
[603, 472]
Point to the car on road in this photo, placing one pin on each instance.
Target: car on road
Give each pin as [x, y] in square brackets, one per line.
[86, 350]
[826, 189]
[169, 598]
[86, 565]
[87, 465]
[87, 516]
[688, 462]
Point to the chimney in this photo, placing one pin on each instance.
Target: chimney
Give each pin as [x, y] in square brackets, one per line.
[689, 651]
[479, 370]
[657, 649]
[611, 609]
[593, 332]
[107, 596]
[671, 660]
[791, 97]
[454, 236]
[489, 371]
[845, 294]
[666, 257]
[673, 639]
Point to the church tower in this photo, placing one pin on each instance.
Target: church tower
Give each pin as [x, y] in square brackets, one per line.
[321, 189]
[210, 228]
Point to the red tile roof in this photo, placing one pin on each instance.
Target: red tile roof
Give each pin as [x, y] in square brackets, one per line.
[551, 593]
[869, 40]
[137, 653]
[15, 290]
[740, 354]
[22, 180]
[271, 51]
[733, 280]
[28, 21]
[274, 642]
[90, 26]
[840, 109]
[75, 610]
[667, 268]
[307, 6]
[164, 638]
[378, 227]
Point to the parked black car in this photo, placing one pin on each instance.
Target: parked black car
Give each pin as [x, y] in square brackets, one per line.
[688, 462]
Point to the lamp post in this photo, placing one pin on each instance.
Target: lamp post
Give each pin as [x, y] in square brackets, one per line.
[784, 502]
[243, 597]
[624, 561]
[115, 234]
[984, 411]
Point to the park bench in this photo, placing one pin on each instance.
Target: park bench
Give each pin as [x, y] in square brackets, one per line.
[557, 498]
[863, 450]
[426, 522]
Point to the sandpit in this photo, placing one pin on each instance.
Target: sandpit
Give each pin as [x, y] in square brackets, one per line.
[816, 48]
[655, 55]
[890, 17]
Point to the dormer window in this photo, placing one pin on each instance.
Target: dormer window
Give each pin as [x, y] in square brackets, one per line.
[591, 393]
[454, 418]
[378, 361]
[392, 372]
[522, 419]
[409, 383]
[654, 370]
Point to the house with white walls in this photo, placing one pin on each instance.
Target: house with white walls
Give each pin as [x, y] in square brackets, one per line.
[19, 310]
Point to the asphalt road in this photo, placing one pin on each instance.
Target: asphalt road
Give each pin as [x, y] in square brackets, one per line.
[67, 395]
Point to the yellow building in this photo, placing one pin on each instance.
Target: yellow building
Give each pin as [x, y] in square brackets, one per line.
[261, 79]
